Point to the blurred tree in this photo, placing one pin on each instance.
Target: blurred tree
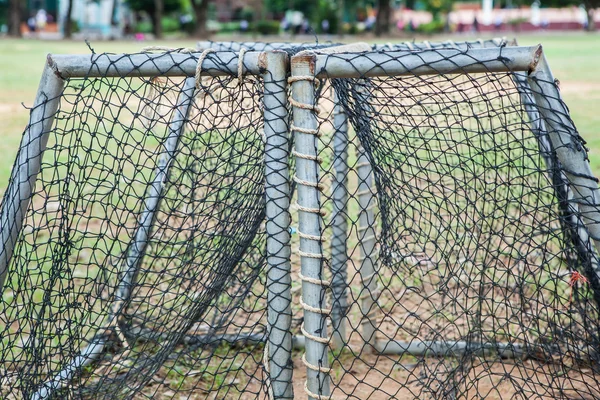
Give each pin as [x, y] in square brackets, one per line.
[326, 11]
[149, 6]
[201, 16]
[382, 23]
[438, 7]
[159, 7]
[114, 21]
[590, 7]
[14, 18]
[69, 21]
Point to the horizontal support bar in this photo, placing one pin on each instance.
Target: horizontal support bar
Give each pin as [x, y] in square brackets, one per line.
[415, 348]
[153, 64]
[449, 348]
[426, 62]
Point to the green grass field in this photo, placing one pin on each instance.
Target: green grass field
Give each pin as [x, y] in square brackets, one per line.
[574, 58]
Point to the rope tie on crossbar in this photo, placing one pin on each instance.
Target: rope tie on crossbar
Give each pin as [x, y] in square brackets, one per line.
[452, 43]
[200, 59]
[240, 67]
[199, 66]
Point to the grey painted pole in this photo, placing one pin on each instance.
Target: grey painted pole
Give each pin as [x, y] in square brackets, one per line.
[367, 242]
[366, 222]
[279, 283]
[339, 222]
[440, 61]
[450, 348]
[305, 126]
[136, 250]
[582, 242]
[569, 149]
[152, 64]
[27, 166]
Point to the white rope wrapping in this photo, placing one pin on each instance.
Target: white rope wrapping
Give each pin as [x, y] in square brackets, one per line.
[309, 78]
[314, 395]
[318, 339]
[240, 67]
[320, 282]
[409, 45]
[310, 210]
[318, 256]
[451, 43]
[316, 310]
[310, 237]
[305, 106]
[319, 186]
[199, 66]
[316, 368]
[308, 131]
[307, 156]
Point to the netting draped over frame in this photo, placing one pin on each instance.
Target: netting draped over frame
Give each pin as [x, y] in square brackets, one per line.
[439, 249]
[472, 244]
[130, 158]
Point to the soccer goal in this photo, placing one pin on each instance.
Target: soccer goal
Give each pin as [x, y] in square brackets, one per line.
[418, 220]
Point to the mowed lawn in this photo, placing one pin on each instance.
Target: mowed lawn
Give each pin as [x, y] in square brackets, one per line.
[574, 58]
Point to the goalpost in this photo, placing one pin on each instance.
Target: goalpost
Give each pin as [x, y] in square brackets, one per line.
[441, 192]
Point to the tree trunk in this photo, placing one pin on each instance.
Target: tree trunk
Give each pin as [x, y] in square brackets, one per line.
[68, 22]
[114, 21]
[201, 16]
[382, 23]
[14, 18]
[591, 27]
[157, 18]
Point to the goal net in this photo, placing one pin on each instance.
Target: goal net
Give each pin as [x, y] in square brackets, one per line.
[445, 211]
[277, 221]
[140, 263]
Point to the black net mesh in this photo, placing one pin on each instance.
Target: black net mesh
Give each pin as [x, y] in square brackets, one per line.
[468, 274]
[181, 313]
[457, 265]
